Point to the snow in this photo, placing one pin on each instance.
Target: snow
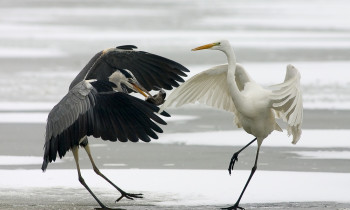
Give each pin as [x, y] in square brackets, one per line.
[41, 117]
[309, 139]
[25, 106]
[79, 11]
[56, 33]
[30, 53]
[270, 73]
[8, 160]
[194, 187]
[115, 164]
[321, 89]
[50, 32]
[338, 155]
[20, 160]
[23, 117]
[179, 118]
[325, 85]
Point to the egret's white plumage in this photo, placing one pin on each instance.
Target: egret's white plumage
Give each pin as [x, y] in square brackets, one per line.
[229, 87]
[255, 108]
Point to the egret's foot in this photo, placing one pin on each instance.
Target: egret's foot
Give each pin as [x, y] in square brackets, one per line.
[234, 207]
[232, 162]
[129, 196]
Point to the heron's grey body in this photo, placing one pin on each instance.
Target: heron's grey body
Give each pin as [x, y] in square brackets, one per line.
[98, 104]
[94, 108]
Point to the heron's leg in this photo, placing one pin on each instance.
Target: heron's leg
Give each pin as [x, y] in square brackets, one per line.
[236, 206]
[124, 194]
[235, 156]
[81, 180]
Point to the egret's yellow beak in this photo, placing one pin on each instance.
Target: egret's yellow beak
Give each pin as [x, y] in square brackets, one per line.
[203, 47]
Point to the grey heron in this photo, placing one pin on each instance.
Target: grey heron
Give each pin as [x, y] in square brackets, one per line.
[98, 104]
[255, 108]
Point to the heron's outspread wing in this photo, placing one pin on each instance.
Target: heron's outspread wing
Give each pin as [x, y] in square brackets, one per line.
[149, 69]
[286, 99]
[208, 87]
[94, 61]
[92, 108]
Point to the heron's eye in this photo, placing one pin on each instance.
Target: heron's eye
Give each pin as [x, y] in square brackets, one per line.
[125, 88]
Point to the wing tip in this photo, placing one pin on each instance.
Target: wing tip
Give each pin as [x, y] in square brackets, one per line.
[44, 165]
[164, 113]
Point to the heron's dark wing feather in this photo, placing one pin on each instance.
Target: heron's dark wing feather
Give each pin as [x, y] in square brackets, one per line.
[81, 76]
[149, 69]
[64, 115]
[110, 115]
[135, 117]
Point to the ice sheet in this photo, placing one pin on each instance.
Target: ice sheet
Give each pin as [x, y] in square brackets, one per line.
[20, 160]
[30, 53]
[309, 138]
[41, 117]
[335, 155]
[325, 85]
[194, 187]
[25, 106]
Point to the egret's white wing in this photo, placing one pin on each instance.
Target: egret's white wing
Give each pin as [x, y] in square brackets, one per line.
[208, 87]
[241, 76]
[287, 102]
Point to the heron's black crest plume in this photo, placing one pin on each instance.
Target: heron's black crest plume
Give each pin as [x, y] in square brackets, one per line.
[126, 73]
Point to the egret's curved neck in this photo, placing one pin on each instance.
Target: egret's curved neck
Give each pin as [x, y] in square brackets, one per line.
[231, 78]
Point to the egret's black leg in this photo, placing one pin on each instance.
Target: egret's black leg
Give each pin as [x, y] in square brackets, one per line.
[124, 194]
[235, 156]
[236, 206]
[81, 180]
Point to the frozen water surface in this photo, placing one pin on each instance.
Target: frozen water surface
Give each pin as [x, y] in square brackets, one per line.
[20, 160]
[193, 187]
[44, 44]
[314, 36]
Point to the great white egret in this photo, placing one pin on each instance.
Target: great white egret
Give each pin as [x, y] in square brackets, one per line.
[98, 104]
[255, 108]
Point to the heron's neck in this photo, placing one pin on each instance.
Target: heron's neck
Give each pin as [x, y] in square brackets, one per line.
[231, 78]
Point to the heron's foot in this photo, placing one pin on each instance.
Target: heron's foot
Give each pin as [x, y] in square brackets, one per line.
[232, 162]
[129, 196]
[234, 207]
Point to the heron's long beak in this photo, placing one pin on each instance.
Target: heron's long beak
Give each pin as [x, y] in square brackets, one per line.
[203, 47]
[141, 90]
